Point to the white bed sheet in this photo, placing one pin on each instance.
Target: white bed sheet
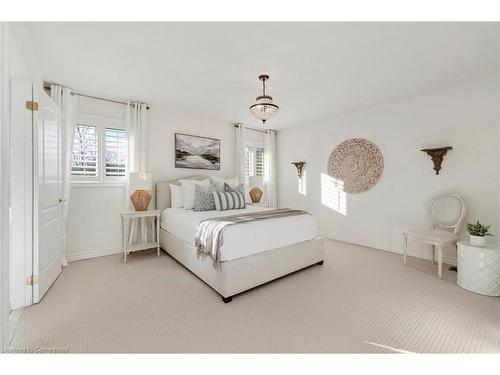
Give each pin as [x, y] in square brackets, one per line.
[243, 239]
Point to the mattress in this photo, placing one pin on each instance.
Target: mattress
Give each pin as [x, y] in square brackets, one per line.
[242, 240]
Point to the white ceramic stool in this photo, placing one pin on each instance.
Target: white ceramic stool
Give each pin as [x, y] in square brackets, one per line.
[479, 268]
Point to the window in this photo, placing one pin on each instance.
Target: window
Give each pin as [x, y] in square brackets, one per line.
[254, 163]
[100, 151]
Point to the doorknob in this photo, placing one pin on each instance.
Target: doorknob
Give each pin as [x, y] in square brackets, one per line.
[62, 200]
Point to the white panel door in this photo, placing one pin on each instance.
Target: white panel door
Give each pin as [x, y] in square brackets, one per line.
[48, 187]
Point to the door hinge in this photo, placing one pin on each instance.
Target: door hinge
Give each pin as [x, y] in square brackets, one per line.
[32, 280]
[31, 105]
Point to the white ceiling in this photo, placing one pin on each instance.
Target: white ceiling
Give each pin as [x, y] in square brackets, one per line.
[316, 69]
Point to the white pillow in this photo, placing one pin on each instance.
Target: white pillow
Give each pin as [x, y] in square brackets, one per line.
[219, 182]
[176, 196]
[188, 191]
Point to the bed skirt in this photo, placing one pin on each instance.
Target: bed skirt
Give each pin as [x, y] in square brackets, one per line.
[241, 274]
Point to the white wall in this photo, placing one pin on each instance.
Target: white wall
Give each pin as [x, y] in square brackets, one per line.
[93, 227]
[464, 116]
[165, 121]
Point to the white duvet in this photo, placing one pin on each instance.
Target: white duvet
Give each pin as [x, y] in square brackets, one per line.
[244, 239]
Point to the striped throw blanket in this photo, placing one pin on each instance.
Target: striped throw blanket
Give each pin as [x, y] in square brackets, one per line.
[210, 233]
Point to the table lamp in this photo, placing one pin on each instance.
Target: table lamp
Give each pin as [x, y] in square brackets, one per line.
[141, 183]
[255, 182]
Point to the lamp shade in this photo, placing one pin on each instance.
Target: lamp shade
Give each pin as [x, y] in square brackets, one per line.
[255, 181]
[140, 181]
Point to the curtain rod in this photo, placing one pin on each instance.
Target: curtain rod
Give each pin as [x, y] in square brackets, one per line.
[104, 99]
[48, 84]
[255, 130]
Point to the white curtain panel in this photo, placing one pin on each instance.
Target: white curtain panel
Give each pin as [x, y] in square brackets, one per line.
[68, 103]
[239, 164]
[240, 160]
[56, 94]
[136, 123]
[136, 118]
[128, 126]
[270, 167]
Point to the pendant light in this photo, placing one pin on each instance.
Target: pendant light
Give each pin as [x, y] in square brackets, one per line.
[264, 108]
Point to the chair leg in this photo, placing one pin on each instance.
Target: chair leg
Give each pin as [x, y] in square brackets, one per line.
[405, 247]
[440, 260]
[433, 254]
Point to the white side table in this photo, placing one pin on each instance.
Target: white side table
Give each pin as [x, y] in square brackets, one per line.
[129, 221]
[260, 204]
[479, 268]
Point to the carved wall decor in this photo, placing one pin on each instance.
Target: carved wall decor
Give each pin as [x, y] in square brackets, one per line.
[300, 167]
[437, 155]
[358, 163]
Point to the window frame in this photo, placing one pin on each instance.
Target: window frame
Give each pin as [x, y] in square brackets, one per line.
[101, 123]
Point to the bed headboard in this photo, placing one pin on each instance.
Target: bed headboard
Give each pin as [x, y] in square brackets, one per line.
[162, 191]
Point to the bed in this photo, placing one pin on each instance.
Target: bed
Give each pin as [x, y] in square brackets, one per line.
[252, 254]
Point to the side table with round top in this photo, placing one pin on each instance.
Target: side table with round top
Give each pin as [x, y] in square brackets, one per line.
[479, 268]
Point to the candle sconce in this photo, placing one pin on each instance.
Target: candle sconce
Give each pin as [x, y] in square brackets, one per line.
[437, 155]
[300, 167]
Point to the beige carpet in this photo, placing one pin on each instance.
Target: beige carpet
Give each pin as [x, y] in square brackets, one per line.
[360, 300]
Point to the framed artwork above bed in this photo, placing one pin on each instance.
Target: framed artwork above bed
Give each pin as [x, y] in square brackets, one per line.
[196, 152]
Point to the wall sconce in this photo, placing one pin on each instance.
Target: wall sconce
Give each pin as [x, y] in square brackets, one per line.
[300, 167]
[437, 155]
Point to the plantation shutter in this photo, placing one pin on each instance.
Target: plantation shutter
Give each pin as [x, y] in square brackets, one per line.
[259, 161]
[115, 146]
[248, 161]
[85, 146]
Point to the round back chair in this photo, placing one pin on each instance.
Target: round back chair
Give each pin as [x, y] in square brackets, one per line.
[453, 223]
[439, 238]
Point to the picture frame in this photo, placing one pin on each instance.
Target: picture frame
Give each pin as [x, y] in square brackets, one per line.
[197, 152]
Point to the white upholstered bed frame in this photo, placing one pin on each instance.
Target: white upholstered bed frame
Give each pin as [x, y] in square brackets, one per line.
[241, 274]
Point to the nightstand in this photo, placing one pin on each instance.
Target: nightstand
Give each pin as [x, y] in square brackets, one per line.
[260, 204]
[129, 226]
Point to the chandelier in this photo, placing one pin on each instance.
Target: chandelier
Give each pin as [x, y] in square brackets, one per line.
[264, 108]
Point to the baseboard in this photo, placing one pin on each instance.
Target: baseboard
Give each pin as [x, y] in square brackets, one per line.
[92, 254]
[411, 252]
[422, 254]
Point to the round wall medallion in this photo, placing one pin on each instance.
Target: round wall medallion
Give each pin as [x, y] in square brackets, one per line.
[357, 163]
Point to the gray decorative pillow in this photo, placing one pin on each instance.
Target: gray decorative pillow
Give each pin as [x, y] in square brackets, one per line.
[204, 199]
[229, 200]
[236, 189]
